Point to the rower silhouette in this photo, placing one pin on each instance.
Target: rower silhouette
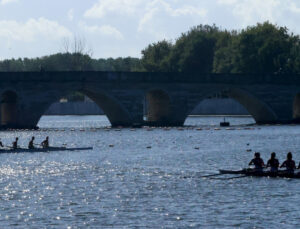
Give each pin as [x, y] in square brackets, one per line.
[31, 144]
[258, 162]
[15, 143]
[45, 143]
[289, 163]
[273, 163]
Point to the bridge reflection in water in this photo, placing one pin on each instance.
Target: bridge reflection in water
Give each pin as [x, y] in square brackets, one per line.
[170, 97]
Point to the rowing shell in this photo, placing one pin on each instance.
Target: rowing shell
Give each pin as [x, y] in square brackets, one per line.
[250, 172]
[49, 149]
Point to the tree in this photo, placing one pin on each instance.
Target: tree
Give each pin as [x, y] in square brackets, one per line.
[194, 50]
[264, 48]
[154, 57]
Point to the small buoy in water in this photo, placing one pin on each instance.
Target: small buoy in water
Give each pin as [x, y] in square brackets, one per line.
[149, 147]
[199, 129]
[197, 147]
[249, 150]
[111, 145]
[217, 129]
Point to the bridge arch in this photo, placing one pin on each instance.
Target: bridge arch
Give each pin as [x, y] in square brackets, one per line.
[115, 112]
[9, 109]
[157, 107]
[260, 111]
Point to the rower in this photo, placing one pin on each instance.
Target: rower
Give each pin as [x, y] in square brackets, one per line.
[289, 164]
[257, 162]
[1, 144]
[31, 144]
[273, 163]
[15, 143]
[45, 143]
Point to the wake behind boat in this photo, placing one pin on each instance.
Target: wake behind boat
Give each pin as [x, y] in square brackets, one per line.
[48, 149]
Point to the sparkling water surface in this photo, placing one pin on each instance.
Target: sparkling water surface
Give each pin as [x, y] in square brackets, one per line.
[147, 178]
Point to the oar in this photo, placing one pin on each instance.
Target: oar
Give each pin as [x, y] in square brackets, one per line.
[211, 175]
[37, 145]
[230, 178]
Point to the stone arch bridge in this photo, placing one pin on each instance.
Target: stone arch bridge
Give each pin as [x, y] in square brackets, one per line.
[169, 97]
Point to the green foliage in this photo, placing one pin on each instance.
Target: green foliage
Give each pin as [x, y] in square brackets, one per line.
[261, 49]
[127, 64]
[156, 55]
[264, 48]
[194, 51]
[71, 62]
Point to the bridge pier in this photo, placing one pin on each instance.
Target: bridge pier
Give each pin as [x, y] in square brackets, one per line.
[164, 109]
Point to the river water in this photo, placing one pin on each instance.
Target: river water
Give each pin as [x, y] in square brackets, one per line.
[147, 178]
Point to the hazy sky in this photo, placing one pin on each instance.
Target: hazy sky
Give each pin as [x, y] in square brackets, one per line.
[113, 28]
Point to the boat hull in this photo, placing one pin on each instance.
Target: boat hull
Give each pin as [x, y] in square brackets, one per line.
[250, 172]
[37, 150]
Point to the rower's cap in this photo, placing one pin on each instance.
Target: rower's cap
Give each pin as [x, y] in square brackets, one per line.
[290, 155]
[273, 154]
[257, 154]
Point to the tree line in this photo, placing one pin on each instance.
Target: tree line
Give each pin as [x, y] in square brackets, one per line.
[261, 49]
[70, 62]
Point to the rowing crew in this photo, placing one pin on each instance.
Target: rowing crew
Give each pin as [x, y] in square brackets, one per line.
[44, 144]
[273, 163]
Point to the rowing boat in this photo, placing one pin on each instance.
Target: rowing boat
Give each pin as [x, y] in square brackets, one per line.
[49, 149]
[251, 172]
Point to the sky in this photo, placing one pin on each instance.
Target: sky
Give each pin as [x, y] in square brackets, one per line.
[121, 28]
